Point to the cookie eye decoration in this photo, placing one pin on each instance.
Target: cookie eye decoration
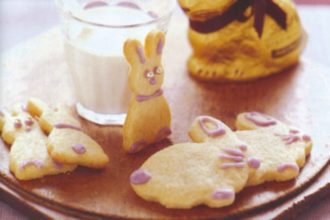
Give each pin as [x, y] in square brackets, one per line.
[158, 70]
[150, 76]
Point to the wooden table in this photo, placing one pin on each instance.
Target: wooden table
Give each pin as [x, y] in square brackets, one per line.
[17, 25]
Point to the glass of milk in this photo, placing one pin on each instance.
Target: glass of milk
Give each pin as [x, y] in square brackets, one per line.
[94, 34]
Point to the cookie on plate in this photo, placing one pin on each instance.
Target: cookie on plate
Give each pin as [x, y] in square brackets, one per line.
[190, 174]
[48, 117]
[67, 143]
[28, 155]
[281, 149]
[148, 119]
[73, 146]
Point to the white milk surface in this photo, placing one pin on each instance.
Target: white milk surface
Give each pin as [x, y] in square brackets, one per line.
[96, 61]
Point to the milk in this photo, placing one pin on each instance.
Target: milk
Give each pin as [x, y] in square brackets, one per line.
[95, 57]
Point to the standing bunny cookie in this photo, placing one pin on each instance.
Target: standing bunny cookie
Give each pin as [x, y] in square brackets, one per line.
[148, 118]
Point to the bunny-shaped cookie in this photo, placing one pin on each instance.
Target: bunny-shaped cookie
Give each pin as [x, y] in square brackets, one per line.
[190, 174]
[148, 118]
[243, 39]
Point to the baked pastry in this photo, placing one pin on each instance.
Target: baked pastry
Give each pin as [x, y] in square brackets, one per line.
[242, 40]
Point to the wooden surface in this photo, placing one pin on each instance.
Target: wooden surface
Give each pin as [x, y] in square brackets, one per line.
[299, 97]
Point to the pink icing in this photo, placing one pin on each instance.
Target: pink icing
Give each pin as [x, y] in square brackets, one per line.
[232, 165]
[18, 123]
[140, 177]
[67, 126]
[234, 152]
[306, 138]
[254, 163]
[129, 5]
[57, 164]
[289, 138]
[142, 98]
[137, 146]
[243, 147]
[139, 52]
[230, 157]
[160, 46]
[95, 4]
[28, 122]
[35, 163]
[260, 119]
[163, 133]
[79, 149]
[222, 194]
[285, 166]
[153, 81]
[218, 131]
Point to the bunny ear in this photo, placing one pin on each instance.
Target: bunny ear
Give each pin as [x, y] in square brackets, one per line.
[134, 53]
[205, 128]
[154, 44]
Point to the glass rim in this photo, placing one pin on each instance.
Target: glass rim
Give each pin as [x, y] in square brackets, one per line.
[164, 15]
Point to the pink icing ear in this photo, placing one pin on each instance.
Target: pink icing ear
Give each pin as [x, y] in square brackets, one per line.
[160, 46]
[218, 131]
[140, 54]
[260, 119]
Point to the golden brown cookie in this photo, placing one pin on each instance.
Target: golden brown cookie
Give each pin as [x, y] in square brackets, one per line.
[148, 118]
[237, 46]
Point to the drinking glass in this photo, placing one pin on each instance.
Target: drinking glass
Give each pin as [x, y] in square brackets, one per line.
[94, 34]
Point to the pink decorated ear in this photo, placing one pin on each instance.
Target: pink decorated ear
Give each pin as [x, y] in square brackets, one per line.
[140, 54]
[160, 46]
[217, 131]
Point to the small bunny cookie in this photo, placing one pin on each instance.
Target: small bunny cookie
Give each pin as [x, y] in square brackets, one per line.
[190, 174]
[67, 143]
[28, 155]
[148, 118]
[282, 150]
[49, 117]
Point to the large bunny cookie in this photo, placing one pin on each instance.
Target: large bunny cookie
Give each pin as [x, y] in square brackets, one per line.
[243, 39]
[148, 118]
[67, 143]
[190, 174]
[282, 150]
[28, 156]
